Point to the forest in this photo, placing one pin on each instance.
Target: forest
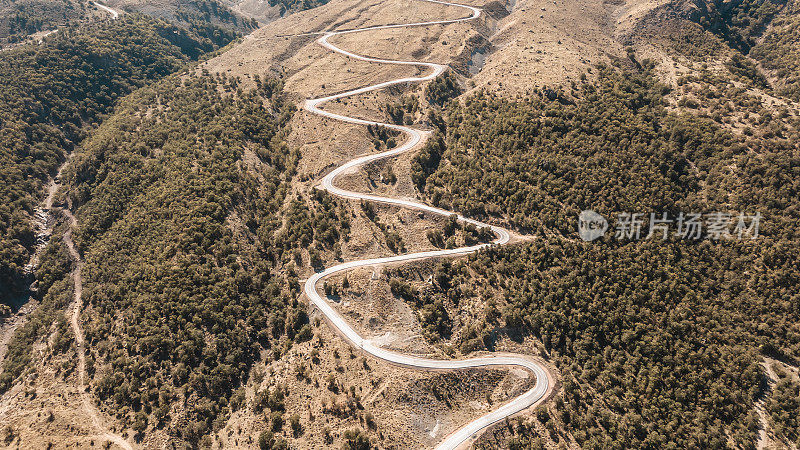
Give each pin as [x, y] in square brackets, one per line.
[613, 148]
[191, 237]
[778, 53]
[52, 94]
[658, 342]
[209, 21]
[738, 23]
[767, 31]
[290, 6]
[20, 19]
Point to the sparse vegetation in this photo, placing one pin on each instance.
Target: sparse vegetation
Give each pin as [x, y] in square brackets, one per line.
[393, 239]
[56, 291]
[383, 137]
[356, 440]
[403, 111]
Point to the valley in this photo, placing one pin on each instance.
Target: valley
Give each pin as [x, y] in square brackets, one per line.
[352, 224]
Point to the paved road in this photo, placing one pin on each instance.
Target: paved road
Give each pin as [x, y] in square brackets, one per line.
[415, 137]
[114, 13]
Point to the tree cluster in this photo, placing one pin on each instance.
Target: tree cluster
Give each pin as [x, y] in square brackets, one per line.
[779, 53]
[189, 235]
[51, 94]
[443, 88]
[658, 341]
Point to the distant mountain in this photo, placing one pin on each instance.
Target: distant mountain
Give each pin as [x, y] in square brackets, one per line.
[212, 19]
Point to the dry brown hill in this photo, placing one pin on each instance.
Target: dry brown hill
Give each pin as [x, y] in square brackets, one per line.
[514, 48]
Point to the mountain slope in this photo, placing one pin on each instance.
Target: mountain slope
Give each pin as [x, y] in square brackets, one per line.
[713, 125]
[30, 20]
[52, 93]
[209, 19]
[199, 218]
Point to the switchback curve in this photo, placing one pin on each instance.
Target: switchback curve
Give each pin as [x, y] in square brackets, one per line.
[542, 386]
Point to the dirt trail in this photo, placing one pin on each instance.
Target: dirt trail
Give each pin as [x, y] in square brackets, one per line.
[77, 307]
[766, 438]
[43, 221]
[113, 12]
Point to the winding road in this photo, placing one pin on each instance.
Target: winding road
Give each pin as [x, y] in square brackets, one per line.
[113, 12]
[415, 137]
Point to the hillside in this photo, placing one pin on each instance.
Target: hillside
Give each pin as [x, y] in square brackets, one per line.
[271, 10]
[588, 302]
[713, 126]
[21, 19]
[210, 19]
[52, 94]
[25, 21]
[198, 185]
